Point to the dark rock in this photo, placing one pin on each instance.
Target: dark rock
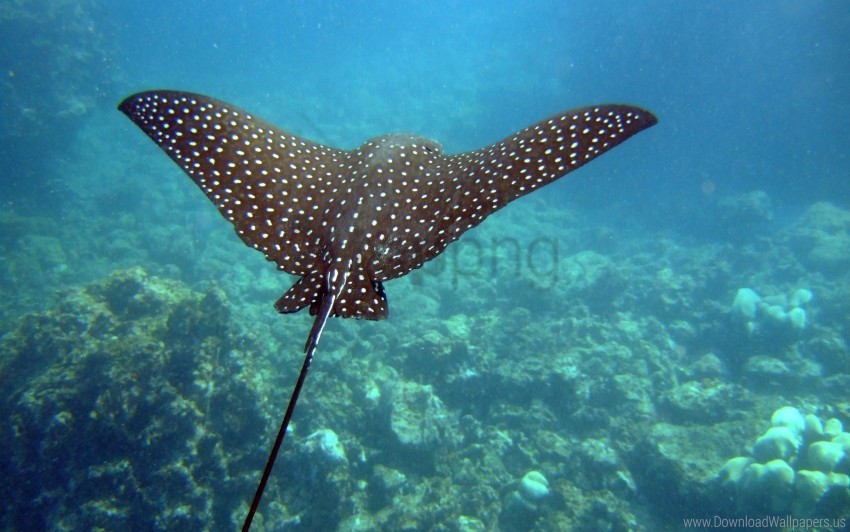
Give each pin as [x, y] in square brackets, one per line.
[708, 366]
[704, 401]
[675, 468]
[772, 373]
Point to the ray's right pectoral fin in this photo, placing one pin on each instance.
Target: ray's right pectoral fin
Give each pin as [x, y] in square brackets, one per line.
[550, 149]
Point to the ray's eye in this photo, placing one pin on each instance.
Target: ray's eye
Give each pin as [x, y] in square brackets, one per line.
[432, 146]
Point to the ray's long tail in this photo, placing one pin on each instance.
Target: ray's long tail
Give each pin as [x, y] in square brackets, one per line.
[332, 292]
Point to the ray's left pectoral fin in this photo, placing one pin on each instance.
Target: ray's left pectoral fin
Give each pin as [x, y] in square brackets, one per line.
[305, 292]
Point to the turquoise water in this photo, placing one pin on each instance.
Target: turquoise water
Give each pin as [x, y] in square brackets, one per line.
[597, 332]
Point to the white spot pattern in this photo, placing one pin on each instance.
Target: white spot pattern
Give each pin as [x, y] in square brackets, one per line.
[377, 212]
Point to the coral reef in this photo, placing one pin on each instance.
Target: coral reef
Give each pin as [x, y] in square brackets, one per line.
[821, 238]
[776, 311]
[797, 466]
[128, 405]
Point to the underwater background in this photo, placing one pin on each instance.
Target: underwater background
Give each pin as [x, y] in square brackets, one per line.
[658, 339]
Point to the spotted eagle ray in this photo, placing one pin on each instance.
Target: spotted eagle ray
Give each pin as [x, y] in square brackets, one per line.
[346, 221]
